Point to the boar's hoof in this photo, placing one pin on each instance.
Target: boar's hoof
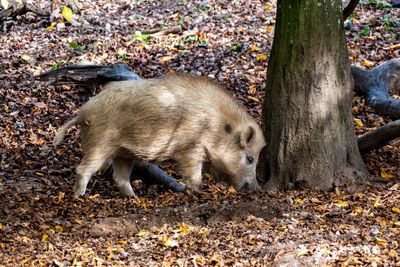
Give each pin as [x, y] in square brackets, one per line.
[194, 186]
[79, 190]
[129, 193]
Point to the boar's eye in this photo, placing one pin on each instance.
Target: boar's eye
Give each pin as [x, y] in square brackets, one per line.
[228, 128]
[249, 159]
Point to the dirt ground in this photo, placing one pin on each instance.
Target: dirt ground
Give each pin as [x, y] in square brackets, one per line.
[41, 223]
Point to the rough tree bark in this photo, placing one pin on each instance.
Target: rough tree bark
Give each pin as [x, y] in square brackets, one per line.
[307, 109]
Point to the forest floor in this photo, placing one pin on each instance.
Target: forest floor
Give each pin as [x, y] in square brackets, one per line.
[41, 223]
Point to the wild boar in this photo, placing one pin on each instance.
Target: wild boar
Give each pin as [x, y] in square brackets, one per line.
[190, 120]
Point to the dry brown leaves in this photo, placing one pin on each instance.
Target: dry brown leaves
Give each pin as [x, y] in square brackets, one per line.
[42, 224]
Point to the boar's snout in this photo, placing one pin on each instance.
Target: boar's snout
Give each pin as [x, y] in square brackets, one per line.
[249, 185]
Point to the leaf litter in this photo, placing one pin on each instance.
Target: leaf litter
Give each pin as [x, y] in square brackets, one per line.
[41, 223]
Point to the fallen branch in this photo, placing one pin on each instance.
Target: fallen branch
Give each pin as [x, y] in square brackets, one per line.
[379, 137]
[163, 31]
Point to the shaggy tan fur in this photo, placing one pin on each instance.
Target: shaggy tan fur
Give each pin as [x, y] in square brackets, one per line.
[183, 118]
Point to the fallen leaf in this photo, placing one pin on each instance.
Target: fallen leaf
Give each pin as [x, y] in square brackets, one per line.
[52, 25]
[341, 203]
[358, 122]
[396, 209]
[367, 63]
[261, 57]
[385, 174]
[67, 13]
[45, 238]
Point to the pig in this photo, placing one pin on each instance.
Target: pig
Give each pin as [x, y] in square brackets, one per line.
[189, 120]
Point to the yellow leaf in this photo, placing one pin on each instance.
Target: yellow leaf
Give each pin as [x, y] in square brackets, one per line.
[376, 204]
[1, 226]
[25, 261]
[45, 238]
[358, 211]
[4, 3]
[252, 89]
[67, 13]
[303, 252]
[184, 228]
[396, 209]
[261, 57]
[367, 63]
[94, 196]
[142, 232]
[59, 228]
[122, 242]
[341, 203]
[267, 7]
[270, 28]
[52, 25]
[168, 242]
[358, 122]
[60, 197]
[382, 223]
[202, 232]
[381, 241]
[397, 224]
[254, 48]
[386, 174]
[298, 200]
[232, 190]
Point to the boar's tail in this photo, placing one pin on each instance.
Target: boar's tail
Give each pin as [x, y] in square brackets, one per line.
[60, 135]
[89, 75]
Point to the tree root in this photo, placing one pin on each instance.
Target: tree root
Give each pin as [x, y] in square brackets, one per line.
[350, 8]
[377, 85]
[379, 137]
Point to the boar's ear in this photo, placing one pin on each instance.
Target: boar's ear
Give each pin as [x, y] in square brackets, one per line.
[247, 136]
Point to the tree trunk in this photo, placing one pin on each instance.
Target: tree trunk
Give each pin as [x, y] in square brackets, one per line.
[307, 111]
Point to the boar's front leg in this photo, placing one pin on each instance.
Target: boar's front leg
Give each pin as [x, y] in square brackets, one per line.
[122, 168]
[191, 169]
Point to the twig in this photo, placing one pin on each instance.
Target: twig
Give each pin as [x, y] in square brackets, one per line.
[164, 31]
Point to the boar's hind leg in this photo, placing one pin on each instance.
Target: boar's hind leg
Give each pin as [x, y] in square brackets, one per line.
[89, 165]
[122, 170]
